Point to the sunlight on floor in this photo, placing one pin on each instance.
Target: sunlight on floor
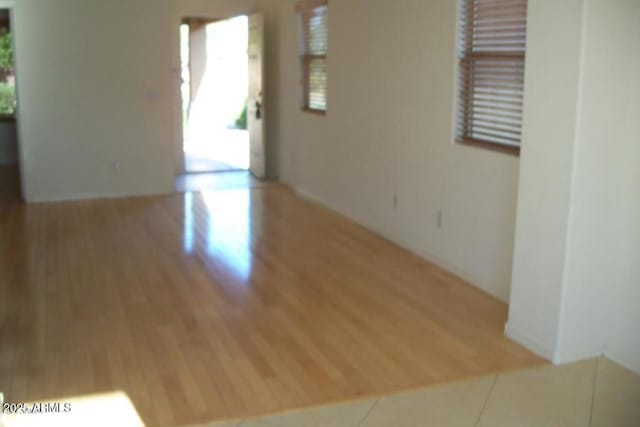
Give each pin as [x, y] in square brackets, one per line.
[108, 409]
[228, 235]
[217, 181]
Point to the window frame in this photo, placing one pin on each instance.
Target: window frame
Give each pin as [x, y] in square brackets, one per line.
[304, 9]
[8, 25]
[465, 59]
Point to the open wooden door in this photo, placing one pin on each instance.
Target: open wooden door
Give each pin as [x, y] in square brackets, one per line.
[255, 107]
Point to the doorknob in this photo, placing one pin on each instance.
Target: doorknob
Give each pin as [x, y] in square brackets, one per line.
[258, 110]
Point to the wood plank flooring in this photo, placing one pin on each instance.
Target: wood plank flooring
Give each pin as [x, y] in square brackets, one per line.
[228, 304]
[9, 183]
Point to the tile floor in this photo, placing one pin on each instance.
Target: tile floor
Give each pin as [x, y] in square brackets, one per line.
[231, 180]
[593, 393]
[197, 164]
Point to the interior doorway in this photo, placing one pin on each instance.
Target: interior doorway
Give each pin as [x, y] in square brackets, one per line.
[9, 157]
[215, 89]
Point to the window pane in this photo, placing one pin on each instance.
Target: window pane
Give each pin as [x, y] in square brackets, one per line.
[318, 84]
[317, 36]
[7, 77]
[313, 44]
[492, 43]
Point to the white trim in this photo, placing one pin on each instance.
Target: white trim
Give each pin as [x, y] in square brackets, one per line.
[632, 365]
[532, 343]
[456, 70]
[9, 4]
[308, 195]
[438, 262]
[575, 149]
[305, 194]
[95, 195]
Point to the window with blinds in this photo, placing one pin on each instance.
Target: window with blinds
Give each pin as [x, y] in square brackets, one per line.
[492, 45]
[313, 47]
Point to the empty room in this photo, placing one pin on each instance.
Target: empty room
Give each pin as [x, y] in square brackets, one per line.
[320, 213]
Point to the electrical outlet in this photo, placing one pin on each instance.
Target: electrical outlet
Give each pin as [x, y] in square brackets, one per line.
[439, 219]
[115, 166]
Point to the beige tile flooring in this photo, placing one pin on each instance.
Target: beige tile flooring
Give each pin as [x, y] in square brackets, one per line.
[592, 393]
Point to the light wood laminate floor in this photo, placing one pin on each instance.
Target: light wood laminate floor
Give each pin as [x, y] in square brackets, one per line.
[228, 304]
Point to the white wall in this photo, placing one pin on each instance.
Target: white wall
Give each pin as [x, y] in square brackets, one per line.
[389, 130]
[93, 87]
[576, 278]
[554, 33]
[8, 143]
[602, 298]
[623, 342]
[99, 83]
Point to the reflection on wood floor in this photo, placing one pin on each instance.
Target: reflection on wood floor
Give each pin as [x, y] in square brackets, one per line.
[228, 304]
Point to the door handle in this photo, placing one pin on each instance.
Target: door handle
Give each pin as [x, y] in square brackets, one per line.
[258, 110]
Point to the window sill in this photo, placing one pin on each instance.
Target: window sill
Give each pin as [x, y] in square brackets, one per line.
[7, 118]
[492, 146]
[314, 111]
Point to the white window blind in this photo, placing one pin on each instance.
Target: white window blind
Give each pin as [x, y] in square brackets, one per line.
[313, 20]
[492, 43]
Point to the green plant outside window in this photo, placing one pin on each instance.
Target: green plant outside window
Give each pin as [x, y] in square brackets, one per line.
[7, 76]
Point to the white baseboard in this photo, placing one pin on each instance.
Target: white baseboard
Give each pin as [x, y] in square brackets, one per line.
[531, 343]
[90, 196]
[305, 194]
[535, 345]
[447, 266]
[308, 195]
[632, 365]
